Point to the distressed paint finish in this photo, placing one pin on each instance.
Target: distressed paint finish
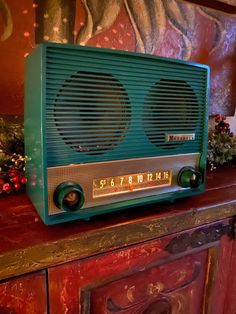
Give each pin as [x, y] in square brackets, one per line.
[218, 277]
[130, 280]
[180, 283]
[230, 302]
[28, 245]
[24, 295]
[134, 246]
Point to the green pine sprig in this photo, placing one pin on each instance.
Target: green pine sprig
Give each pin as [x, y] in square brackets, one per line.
[221, 144]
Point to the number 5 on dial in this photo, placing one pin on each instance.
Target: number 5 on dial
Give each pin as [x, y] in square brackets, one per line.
[102, 183]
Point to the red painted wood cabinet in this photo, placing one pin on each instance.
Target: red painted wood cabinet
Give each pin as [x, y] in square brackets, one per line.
[190, 272]
[24, 295]
[163, 259]
[176, 274]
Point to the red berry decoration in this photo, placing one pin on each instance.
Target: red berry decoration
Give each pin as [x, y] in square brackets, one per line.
[222, 126]
[6, 187]
[13, 172]
[12, 165]
[16, 178]
[23, 180]
[1, 185]
[17, 185]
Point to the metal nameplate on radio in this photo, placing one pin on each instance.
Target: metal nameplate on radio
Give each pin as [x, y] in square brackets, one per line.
[180, 137]
[132, 182]
[159, 175]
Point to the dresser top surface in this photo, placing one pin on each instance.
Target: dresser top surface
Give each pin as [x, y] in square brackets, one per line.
[24, 236]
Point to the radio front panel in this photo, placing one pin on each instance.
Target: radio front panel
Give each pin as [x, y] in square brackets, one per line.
[117, 181]
[106, 130]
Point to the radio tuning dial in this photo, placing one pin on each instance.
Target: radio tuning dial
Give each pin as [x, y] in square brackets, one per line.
[188, 177]
[69, 196]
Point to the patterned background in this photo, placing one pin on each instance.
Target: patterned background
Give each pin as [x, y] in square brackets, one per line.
[171, 28]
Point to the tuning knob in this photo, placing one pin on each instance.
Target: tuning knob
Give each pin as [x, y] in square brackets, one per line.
[188, 177]
[69, 196]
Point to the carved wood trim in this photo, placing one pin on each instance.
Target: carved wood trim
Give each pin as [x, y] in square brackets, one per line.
[198, 238]
[6, 310]
[116, 308]
[113, 307]
[203, 238]
[161, 304]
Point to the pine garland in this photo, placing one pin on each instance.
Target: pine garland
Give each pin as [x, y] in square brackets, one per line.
[221, 144]
[12, 160]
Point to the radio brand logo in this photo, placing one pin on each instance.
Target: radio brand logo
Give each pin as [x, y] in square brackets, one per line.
[180, 137]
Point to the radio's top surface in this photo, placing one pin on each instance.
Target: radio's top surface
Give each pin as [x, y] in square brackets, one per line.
[45, 45]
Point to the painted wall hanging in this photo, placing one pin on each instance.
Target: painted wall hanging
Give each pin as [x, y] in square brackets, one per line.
[172, 28]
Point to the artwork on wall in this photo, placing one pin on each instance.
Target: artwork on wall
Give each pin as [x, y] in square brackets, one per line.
[171, 28]
[7, 20]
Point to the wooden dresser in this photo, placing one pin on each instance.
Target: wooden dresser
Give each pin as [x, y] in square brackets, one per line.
[166, 258]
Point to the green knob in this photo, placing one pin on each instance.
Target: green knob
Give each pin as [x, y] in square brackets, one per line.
[69, 196]
[188, 177]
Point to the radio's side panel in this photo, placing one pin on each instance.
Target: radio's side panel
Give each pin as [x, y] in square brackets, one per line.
[205, 108]
[34, 131]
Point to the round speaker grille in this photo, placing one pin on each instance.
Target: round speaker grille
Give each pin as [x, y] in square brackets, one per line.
[92, 112]
[170, 107]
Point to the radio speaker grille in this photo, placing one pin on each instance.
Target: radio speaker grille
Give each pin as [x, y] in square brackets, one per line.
[104, 105]
[171, 107]
[92, 112]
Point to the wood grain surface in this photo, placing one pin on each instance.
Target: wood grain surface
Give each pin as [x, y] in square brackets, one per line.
[230, 300]
[28, 245]
[24, 295]
[140, 278]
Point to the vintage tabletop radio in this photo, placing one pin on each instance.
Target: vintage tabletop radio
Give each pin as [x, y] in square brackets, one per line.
[107, 130]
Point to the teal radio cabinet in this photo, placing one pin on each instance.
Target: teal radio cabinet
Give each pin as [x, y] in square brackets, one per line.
[107, 130]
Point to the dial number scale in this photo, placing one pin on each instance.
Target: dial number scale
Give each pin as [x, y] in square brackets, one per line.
[131, 182]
